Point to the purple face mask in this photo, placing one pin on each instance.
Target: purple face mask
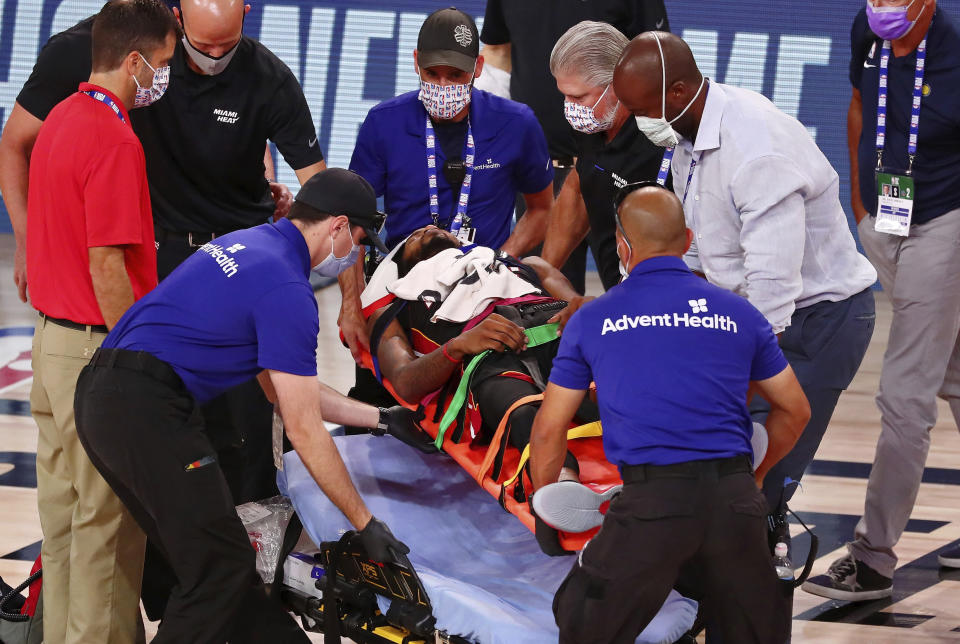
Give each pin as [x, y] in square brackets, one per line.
[890, 23]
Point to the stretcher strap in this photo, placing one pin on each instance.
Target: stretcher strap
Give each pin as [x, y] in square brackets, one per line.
[535, 337]
[498, 436]
[590, 430]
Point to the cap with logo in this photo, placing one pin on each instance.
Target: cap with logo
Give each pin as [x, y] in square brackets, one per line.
[343, 192]
[448, 37]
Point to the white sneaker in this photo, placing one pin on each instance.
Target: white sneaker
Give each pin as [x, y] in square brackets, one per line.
[570, 506]
[950, 558]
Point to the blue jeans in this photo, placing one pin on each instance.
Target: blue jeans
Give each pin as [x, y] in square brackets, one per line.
[824, 344]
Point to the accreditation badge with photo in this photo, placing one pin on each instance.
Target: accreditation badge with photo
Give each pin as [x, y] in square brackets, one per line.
[895, 194]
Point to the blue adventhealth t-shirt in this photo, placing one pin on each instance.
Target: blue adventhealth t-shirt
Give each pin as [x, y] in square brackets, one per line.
[238, 305]
[511, 157]
[672, 357]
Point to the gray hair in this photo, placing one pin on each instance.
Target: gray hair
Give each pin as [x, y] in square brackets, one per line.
[590, 50]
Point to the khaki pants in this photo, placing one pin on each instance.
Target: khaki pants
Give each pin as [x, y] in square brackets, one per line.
[921, 275]
[92, 548]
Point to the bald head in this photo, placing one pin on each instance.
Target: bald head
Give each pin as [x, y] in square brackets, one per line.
[213, 26]
[653, 224]
[638, 76]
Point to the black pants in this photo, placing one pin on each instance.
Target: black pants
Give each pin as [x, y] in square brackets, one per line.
[238, 424]
[144, 434]
[495, 395]
[707, 513]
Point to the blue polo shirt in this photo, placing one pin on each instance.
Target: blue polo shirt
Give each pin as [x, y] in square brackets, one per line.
[936, 169]
[238, 305]
[511, 157]
[672, 356]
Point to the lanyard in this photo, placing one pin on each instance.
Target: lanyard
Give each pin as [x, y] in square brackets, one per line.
[914, 110]
[693, 166]
[106, 100]
[432, 178]
[665, 166]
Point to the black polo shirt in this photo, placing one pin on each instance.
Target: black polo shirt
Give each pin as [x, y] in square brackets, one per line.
[936, 168]
[532, 27]
[63, 63]
[604, 168]
[205, 139]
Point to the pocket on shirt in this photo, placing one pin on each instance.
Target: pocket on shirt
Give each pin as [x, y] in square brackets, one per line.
[718, 234]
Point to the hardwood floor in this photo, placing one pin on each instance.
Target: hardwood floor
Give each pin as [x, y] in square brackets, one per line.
[925, 606]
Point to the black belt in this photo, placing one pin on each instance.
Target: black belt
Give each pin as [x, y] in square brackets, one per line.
[140, 361]
[690, 469]
[193, 240]
[75, 326]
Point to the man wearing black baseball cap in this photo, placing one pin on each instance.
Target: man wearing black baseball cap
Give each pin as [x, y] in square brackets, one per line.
[452, 156]
[241, 306]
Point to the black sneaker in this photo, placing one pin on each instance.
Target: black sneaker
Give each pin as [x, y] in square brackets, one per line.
[950, 558]
[851, 580]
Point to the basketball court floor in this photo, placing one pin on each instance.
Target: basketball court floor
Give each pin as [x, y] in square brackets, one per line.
[926, 602]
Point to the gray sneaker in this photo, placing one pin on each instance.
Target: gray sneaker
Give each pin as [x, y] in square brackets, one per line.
[851, 580]
[570, 506]
[950, 558]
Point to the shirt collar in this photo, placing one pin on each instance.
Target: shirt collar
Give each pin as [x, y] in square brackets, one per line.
[708, 134]
[659, 264]
[89, 87]
[296, 239]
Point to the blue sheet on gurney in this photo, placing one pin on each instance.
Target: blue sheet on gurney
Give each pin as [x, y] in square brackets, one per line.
[486, 577]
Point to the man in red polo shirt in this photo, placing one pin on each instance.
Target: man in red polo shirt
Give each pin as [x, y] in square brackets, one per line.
[90, 255]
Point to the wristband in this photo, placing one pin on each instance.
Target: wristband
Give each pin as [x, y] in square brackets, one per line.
[447, 355]
[382, 424]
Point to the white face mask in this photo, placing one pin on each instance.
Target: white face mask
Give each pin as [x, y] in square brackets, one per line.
[443, 102]
[331, 266]
[149, 95]
[659, 130]
[584, 119]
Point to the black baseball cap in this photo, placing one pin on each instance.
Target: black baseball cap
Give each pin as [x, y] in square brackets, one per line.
[343, 192]
[449, 37]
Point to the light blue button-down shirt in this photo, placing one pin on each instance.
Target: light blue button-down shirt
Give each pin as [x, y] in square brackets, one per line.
[764, 206]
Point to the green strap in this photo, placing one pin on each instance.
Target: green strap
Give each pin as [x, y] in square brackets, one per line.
[535, 337]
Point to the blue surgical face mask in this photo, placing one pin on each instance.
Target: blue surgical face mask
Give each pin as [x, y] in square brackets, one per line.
[332, 265]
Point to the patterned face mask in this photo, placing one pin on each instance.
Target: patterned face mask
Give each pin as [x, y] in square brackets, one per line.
[443, 102]
[584, 119]
[149, 95]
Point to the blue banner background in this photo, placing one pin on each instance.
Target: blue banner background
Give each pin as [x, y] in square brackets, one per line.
[351, 54]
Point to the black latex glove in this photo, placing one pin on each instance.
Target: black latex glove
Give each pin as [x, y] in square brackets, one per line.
[381, 545]
[400, 422]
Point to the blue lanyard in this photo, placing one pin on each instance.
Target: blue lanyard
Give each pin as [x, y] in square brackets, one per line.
[106, 100]
[914, 110]
[693, 166]
[457, 222]
[665, 166]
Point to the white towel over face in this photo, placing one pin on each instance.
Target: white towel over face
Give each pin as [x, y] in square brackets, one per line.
[465, 283]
